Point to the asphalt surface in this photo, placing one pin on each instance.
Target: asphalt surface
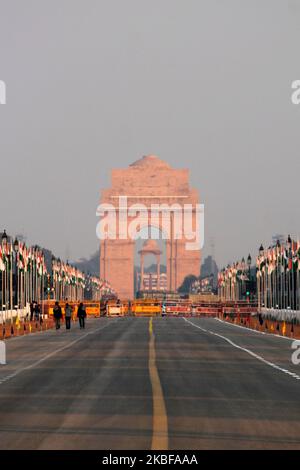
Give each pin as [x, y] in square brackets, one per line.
[123, 384]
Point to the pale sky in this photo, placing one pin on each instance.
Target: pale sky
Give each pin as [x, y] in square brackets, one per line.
[203, 84]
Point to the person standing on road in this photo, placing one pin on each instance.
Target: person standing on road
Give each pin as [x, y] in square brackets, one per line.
[31, 310]
[81, 314]
[68, 316]
[36, 310]
[39, 313]
[57, 313]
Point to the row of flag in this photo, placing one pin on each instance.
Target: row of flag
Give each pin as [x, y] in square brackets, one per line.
[277, 276]
[100, 284]
[70, 275]
[282, 257]
[67, 274]
[27, 259]
[96, 288]
[24, 276]
[233, 273]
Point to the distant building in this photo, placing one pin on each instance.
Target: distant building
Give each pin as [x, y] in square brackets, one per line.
[150, 282]
[209, 269]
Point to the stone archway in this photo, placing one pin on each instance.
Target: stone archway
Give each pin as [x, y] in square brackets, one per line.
[150, 247]
[148, 181]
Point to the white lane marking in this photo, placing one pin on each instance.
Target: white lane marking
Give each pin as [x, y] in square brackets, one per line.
[31, 366]
[2, 353]
[248, 351]
[255, 331]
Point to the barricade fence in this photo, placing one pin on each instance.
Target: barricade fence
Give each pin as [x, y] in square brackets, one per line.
[283, 322]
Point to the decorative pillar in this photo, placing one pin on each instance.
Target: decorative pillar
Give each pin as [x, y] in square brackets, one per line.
[158, 272]
[142, 272]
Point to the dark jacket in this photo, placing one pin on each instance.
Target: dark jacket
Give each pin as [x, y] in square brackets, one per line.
[81, 312]
[57, 313]
[68, 311]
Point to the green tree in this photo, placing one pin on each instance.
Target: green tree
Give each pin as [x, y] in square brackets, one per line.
[185, 287]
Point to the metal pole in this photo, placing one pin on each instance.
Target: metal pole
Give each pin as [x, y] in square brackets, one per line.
[11, 287]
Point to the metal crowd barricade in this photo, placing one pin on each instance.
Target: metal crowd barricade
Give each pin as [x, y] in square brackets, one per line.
[146, 308]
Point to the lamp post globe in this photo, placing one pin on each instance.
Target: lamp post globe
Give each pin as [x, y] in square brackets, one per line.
[16, 245]
[249, 261]
[4, 238]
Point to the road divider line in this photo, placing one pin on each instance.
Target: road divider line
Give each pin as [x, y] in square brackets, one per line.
[160, 419]
[248, 351]
[44, 358]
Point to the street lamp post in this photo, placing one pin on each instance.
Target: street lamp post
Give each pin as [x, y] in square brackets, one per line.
[8, 275]
[249, 261]
[16, 283]
[261, 284]
[48, 286]
[59, 281]
[4, 240]
[289, 284]
[278, 275]
[243, 278]
[229, 289]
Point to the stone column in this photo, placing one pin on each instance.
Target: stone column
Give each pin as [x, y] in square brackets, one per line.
[158, 272]
[142, 272]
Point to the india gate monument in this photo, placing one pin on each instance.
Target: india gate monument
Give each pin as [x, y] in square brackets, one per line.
[146, 184]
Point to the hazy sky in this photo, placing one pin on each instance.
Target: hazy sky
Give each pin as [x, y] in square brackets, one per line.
[204, 84]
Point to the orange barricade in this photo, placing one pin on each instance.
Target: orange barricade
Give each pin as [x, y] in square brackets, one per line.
[24, 327]
[2, 332]
[146, 307]
[251, 320]
[92, 308]
[178, 308]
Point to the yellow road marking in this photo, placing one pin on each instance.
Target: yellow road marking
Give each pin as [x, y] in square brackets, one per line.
[160, 420]
[150, 327]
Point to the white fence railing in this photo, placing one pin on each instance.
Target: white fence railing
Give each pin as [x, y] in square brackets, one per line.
[281, 315]
[8, 315]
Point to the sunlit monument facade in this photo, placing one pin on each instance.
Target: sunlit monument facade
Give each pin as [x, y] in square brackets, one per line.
[149, 181]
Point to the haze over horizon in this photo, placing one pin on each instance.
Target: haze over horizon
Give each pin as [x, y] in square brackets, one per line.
[205, 87]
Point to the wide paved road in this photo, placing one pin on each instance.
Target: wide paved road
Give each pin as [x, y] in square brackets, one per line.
[132, 383]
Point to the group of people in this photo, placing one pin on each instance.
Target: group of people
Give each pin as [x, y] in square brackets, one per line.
[35, 312]
[57, 314]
